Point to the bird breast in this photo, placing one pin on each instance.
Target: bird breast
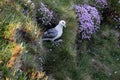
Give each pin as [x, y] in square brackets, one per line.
[60, 30]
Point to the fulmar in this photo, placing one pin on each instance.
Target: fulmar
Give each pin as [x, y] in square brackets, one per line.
[54, 33]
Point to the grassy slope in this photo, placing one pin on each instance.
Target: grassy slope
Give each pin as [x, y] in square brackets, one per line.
[11, 19]
[96, 59]
[61, 60]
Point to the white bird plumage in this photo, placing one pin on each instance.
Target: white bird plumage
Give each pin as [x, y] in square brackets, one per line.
[55, 33]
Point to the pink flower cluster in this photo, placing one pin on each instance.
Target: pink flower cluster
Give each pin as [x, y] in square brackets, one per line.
[89, 20]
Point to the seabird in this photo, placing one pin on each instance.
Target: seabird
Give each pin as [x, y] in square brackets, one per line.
[54, 33]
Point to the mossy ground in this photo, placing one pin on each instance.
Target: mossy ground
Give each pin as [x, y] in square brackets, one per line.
[95, 59]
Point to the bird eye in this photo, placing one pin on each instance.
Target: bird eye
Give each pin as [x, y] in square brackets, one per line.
[63, 23]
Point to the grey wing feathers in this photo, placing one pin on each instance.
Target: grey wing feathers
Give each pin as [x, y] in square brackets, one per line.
[51, 33]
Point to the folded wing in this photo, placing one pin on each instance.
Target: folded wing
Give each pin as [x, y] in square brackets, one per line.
[51, 33]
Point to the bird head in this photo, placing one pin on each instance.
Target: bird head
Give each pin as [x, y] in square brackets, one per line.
[62, 23]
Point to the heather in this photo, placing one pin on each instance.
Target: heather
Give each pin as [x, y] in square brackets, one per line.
[101, 3]
[88, 19]
[45, 15]
[90, 49]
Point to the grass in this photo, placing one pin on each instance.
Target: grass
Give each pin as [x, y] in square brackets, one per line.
[95, 59]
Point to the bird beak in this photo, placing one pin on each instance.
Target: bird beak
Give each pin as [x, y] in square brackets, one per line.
[64, 26]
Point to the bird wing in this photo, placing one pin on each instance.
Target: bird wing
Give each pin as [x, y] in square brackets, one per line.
[51, 33]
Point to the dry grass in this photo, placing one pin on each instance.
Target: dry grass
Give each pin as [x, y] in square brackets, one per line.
[16, 52]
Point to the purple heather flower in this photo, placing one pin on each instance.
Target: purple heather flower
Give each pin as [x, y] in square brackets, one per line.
[116, 18]
[47, 15]
[88, 18]
[101, 3]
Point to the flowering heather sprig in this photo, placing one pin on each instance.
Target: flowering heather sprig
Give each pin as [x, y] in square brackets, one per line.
[46, 15]
[89, 20]
[28, 6]
[115, 16]
[101, 3]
